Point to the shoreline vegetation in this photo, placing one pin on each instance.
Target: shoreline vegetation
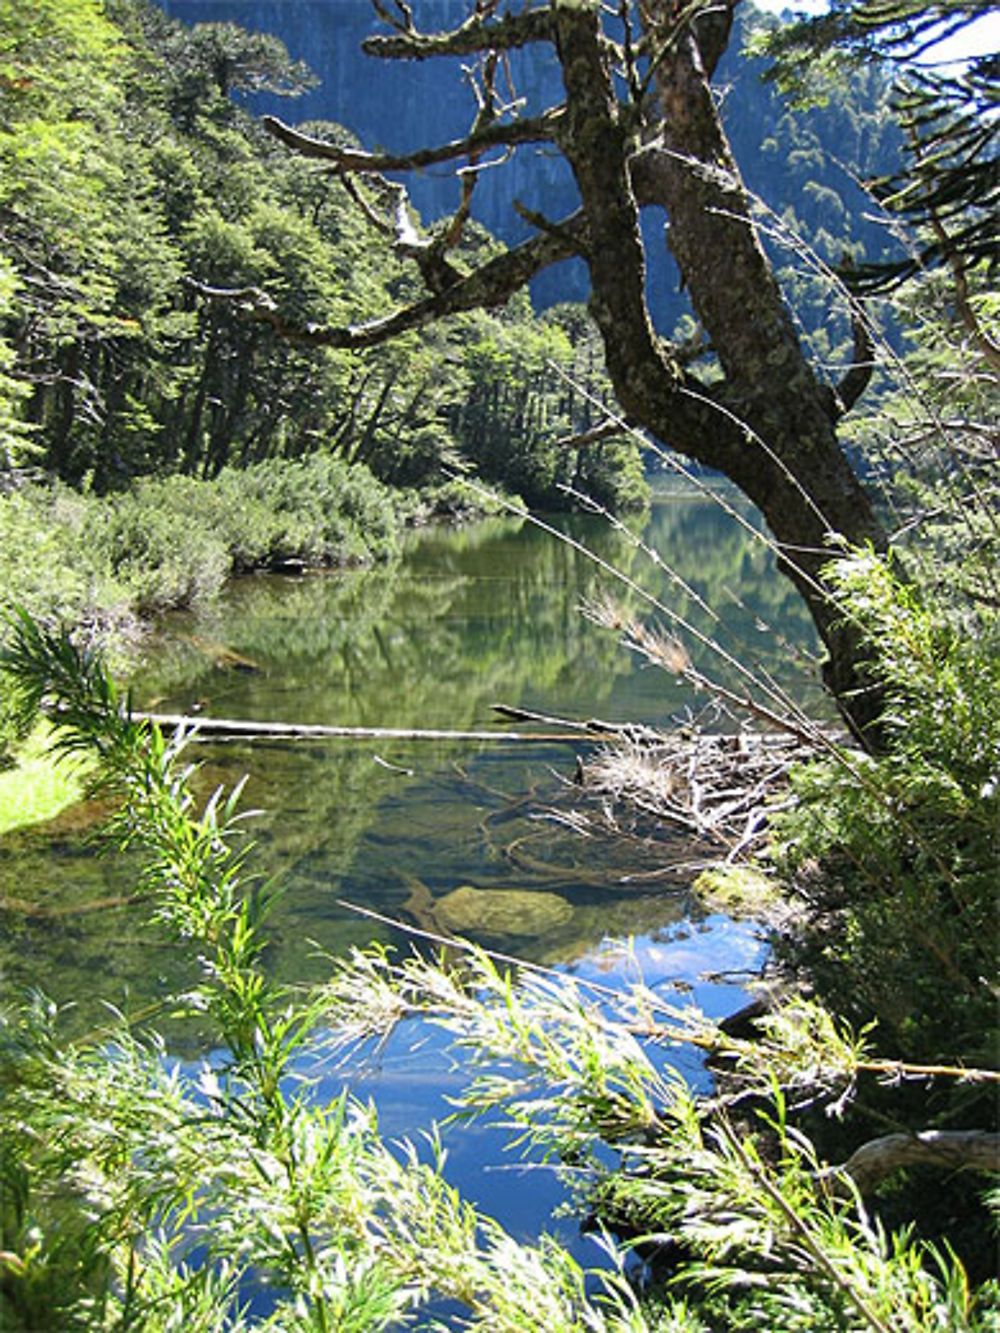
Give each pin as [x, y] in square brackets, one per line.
[134, 1193]
[108, 565]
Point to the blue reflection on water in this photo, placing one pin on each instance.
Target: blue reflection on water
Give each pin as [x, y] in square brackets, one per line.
[413, 1076]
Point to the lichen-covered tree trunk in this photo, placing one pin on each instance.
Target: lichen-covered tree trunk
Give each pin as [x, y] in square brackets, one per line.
[772, 428]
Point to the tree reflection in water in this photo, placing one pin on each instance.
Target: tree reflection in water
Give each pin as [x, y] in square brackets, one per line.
[464, 619]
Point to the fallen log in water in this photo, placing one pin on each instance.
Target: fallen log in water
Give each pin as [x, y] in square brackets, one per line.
[228, 728]
[636, 732]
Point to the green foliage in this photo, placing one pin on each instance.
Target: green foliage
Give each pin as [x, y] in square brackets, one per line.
[171, 542]
[903, 849]
[135, 1193]
[804, 158]
[946, 190]
[15, 432]
[102, 565]
[138, 1192]
[128, 170]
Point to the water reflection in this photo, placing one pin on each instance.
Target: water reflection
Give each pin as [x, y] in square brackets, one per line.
[466, 618]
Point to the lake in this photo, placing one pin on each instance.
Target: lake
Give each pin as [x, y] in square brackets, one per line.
[466, 618]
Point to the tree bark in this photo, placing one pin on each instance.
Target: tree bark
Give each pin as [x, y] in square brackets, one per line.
[770, 425]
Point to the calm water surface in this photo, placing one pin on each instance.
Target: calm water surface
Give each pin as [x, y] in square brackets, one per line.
[466, 618]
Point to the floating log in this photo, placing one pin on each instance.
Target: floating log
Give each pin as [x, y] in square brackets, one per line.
[37, 911]
[224, 727]
[636, 732]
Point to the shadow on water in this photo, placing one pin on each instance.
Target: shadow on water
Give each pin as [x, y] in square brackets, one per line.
[453, 837]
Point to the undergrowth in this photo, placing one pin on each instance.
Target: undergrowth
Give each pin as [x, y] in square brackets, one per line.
[106, 564]
[896, 858]
[172, 541]
[139, 1193]
[898, 853]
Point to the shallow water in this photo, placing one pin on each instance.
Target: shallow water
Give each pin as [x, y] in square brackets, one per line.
[466, 618]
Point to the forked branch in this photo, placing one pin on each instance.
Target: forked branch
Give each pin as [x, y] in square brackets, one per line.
[952, 1150]
[538, 129]
[858, 374]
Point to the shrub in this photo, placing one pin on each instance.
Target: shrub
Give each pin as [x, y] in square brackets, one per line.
[899, 853]
[159, 555]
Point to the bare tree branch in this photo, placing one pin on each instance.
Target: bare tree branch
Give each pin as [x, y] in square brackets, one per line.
[770, 425]
[480, 32]
[538, 129]
[486, 116]
[987, 345]
[375, 221]
[858, 375]
[951, 1150]
[605, 431]
[543, 224]
[402, 23]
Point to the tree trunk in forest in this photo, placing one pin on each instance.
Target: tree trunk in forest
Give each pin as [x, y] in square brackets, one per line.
[772, 430]
[769, 424]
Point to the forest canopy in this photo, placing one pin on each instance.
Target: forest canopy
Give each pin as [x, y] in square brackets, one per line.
[131, 167]
[129, 172]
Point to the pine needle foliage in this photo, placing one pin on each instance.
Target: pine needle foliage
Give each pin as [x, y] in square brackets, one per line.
[141, 1194]
[947, 191]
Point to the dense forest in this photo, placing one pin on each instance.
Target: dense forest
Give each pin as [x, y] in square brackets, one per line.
[191, 388]
[132, 166]
[129, 172]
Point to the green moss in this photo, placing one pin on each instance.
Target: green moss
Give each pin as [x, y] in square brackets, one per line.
[739, 891]
[37, 788]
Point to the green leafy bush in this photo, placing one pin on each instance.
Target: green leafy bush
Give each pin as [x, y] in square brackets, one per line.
[158, 555]
[899, 853]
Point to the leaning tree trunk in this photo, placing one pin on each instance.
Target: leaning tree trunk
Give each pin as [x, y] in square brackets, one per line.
[772, 427]
[769, 424]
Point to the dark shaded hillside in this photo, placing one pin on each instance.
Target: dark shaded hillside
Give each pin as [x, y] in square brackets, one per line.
[804, 166]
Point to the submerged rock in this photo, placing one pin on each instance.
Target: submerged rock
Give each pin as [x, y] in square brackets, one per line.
[471, 911]
[468, 910]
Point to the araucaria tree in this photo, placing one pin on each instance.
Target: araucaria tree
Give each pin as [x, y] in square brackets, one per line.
[639, 125]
